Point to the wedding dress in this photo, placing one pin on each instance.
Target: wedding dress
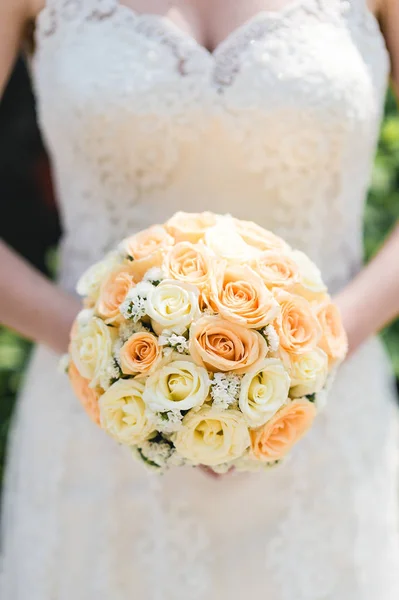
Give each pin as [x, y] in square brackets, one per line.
[278, 125]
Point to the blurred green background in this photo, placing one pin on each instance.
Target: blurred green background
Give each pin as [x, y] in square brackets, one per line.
[381, 214]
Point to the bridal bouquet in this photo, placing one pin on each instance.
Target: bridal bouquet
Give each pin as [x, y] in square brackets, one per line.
[205, 341]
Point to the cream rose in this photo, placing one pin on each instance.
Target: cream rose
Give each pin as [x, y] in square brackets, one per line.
[211, 437]
[179, 385]
[277, 269]
[148, 248]
[220, 345]
[238, 294]
[172, 305]
[310, 284]
[226, 243]
[308, 373]
[85, 394]
[334, 340]
[123, 412]
[274, 440]
[113, 292]
[140, 353]
[263, 391]
[91, 350]
[191, 263]
[298, 328]
[190, 227]
[90, 282]
[259, 238]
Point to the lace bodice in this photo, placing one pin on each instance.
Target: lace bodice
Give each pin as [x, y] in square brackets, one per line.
[277, 125]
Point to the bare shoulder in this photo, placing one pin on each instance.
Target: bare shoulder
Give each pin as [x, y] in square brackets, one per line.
[19, 11]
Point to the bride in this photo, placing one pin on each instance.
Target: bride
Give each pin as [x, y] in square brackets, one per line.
[268, 109]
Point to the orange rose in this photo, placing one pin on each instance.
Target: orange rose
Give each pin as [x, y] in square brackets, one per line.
[259, 238]
[148, 249]
[333, 341]
[239, 295]
[190, 263]
[190, 227]
[274, 440]
[87, 395]
[139, 353]
[113, 292]
[277, 269]
[220, 345]
[298, 328]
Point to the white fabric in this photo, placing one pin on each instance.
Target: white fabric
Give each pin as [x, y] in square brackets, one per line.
[278, 125]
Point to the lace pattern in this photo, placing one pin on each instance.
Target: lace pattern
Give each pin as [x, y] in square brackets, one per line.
[278, 125]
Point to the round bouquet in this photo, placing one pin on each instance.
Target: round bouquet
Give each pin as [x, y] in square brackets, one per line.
[205, 341]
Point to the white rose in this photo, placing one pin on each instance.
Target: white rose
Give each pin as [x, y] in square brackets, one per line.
[91, 350]
[311, 283]
[308, 373]
[263, 391]
[225, 241]
[179, 385]
[172, 305]
[123, 412]
[212, 437]
[90, 282]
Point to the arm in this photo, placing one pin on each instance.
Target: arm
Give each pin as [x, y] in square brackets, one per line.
[29, 303]
[371, 300]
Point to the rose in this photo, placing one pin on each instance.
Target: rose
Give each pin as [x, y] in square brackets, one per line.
[274, 440]
[311, 284]
[87, 395]
[220, 345]
[179, 385]
[308, 373]
[147, 248]
[113, 292]
[334, 341]
[139, 354]
[211, 437]
[263, 391]
[187, 227]
[191, 263]
[298, 328]
[123, 412]
[259, 238]
[172, 305]
[90, 282]
[225, 242]
[277, 269]
[238, 294]
[91, 350]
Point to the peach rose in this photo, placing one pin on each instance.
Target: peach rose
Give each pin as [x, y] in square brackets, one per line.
[277, 269]
[148, 248]
[274, 440]
[333, 341]
[298, 328]
[139, 354]
[113, 292]
[190, 227]
[255, 236]
[220, 345]
[239, 295]
[191, 263]
[87, 395]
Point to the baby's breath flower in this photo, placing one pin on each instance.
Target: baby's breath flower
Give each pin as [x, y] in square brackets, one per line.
[176, 342]
[167, 422]
[154, 276]
[156, 453]
[63, 364]
[272, 339]
[225, 389]
[135, 305]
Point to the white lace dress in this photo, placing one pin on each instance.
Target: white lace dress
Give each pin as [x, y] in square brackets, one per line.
[279, 126]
